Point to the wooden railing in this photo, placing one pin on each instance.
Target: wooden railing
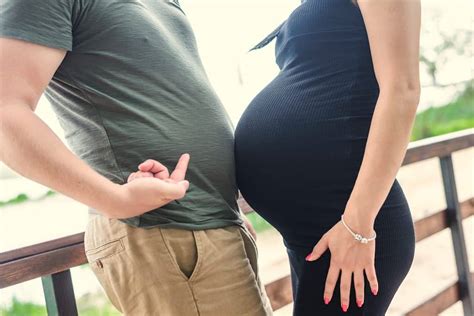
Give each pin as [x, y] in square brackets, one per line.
[52, 260]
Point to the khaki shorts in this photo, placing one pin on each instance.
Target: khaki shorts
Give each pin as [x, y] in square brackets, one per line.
[178, 272]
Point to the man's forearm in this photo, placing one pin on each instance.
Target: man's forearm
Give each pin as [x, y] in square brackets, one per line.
[30, 147]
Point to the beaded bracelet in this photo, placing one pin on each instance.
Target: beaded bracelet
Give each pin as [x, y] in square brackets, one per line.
[358, 237]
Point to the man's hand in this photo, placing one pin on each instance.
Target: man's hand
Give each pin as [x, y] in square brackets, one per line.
[153, 169]
[152, 187]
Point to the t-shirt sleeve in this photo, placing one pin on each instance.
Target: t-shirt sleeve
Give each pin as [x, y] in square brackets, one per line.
[43, 22]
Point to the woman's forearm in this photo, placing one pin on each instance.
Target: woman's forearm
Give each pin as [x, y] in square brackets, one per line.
[386, 146]
[393, 28]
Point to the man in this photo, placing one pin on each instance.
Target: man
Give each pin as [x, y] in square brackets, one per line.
[127, 84]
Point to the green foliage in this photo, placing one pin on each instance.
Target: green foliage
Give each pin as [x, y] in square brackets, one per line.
[91, 304]
[23, 308]
[49, 193]
[258, 223]
[22, 197]
[16, 200]
[452, 117]
[104, 311]
[96, 304]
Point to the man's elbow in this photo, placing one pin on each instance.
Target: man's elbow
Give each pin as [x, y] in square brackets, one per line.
[3, 125]
[2, 132]
[10, 116]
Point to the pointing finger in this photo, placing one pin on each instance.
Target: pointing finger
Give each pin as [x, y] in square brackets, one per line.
[179, 172]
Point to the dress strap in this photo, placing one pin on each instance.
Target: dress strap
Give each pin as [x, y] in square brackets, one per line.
[270, 37]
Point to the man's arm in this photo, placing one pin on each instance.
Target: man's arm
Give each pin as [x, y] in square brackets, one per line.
[29, 146]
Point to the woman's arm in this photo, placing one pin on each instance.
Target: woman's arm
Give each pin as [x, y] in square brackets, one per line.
[393, 28]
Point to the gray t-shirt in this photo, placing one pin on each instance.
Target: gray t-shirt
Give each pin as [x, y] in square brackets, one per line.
[132, 87]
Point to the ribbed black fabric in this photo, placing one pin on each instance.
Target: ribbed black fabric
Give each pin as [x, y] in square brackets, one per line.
[300, 144]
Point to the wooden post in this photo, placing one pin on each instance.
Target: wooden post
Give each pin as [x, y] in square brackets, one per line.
[59, 294]
[454, 218]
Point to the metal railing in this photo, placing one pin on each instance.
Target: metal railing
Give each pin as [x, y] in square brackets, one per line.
[52, 260]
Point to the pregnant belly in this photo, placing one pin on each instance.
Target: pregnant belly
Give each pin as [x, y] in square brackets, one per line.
[305, 127]
[303, 145]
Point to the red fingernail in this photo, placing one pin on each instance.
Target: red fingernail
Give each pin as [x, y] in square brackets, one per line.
[326, 301]
[344, 307]
[360, 303]
[375, 291]
[308, 257]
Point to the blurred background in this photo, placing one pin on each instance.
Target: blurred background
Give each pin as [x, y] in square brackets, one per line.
[225, 31]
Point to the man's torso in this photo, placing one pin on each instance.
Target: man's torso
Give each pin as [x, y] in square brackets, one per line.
[133, 87]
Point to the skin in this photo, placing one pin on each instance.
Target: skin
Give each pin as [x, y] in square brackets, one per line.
[393, 28]
[152, 168]
[26, 71]
[29, 146]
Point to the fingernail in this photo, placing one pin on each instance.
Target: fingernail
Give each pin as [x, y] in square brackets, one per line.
[375, 291]
[326, 300]
[359, 303]
[344, 307]
[308, 257]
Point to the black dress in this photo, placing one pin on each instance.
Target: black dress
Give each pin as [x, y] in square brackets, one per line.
[299, 146]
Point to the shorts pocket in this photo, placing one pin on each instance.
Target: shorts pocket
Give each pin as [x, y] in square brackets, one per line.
[184, 249]
[249, 238]
[106, 265]
[252, 254]
[250, 249]
[105, 251]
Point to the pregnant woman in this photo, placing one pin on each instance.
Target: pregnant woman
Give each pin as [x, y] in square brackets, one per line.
[318, 150]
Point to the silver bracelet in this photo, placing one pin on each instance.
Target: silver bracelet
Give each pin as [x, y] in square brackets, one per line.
[358, 237]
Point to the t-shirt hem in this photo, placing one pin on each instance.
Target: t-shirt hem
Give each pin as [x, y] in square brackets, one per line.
[195, 226]
[211, 224]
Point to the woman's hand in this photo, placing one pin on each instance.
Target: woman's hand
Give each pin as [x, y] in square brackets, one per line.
[151, 187]
[350, 259]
